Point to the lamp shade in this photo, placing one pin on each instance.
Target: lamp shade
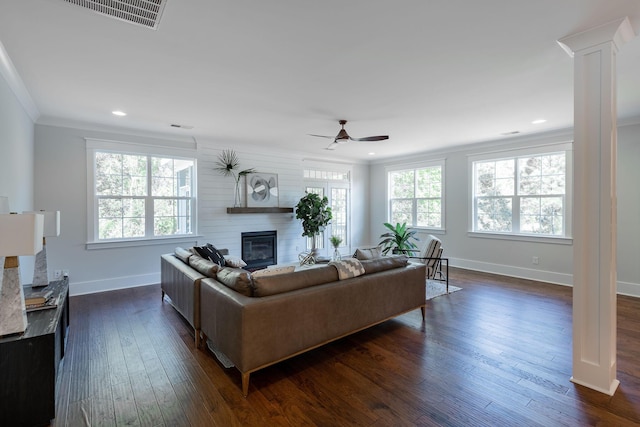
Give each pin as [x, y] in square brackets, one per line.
[51, 222]
[4, 205]
[21, 234]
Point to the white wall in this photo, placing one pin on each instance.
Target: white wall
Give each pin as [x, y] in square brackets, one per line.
[514, 258]
[61, 183]
[16, 160]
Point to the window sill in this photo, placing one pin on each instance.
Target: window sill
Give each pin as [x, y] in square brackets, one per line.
[111, 244]
[424, 230]
[522, 238]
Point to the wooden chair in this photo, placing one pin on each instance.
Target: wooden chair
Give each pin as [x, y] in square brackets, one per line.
[431, 255]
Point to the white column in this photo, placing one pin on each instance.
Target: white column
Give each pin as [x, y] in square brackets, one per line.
[594, 203]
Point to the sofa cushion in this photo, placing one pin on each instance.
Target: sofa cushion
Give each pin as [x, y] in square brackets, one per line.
[270, 285]
[348, 268]
[210, 252]
[203, 266]
[272, 271]
[234, 261]
[384, 263]
[237, 279]
[368, 253]
[182, 254]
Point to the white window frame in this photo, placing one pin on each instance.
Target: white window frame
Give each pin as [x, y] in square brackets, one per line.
[537, 150]
[414, 167]
[98, 145]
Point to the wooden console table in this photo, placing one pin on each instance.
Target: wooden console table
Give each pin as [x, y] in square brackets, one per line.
[29, 363]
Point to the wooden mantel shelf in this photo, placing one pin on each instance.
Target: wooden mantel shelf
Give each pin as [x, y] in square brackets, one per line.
[258, 210]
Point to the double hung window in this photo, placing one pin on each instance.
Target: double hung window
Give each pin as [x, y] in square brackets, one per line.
[136, 194]
[524, 193]
[416, 196]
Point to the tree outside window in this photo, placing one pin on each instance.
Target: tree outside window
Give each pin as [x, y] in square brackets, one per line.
[416, 197]
[143, 196]
[521, 195]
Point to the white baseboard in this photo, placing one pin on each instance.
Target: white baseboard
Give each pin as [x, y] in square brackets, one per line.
[624, 288]
[104, 285]
[509, 270]
[630, 289]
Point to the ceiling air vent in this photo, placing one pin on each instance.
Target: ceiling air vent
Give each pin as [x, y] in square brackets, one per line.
[141, 12]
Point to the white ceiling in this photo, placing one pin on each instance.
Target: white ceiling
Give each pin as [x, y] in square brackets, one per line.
[430, 74]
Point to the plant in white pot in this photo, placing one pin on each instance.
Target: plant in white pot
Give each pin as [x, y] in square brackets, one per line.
[315, 213]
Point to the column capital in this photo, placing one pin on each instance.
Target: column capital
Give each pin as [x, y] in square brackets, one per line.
[617, 32]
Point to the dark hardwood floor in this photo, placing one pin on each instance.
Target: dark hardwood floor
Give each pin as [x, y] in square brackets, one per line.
[497, 353]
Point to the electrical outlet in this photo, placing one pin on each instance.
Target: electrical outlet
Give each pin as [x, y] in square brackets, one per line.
[57, 274]
[535, 260]
[65, 273]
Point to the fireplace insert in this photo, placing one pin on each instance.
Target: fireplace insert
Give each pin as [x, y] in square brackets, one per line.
[259, 249]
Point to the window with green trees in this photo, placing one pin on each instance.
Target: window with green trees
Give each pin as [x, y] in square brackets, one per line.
[140, 196]
[521, 195]
[416, 196]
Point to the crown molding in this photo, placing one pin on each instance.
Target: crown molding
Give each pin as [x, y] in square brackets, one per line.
[13, 79]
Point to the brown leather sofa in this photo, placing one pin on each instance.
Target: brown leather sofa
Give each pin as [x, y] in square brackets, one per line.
[259, 321]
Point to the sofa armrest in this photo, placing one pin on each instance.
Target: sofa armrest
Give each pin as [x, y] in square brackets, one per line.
[182, 284]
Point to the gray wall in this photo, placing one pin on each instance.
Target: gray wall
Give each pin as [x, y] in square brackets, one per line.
[61, 183]
[514, 257]
[16, 160]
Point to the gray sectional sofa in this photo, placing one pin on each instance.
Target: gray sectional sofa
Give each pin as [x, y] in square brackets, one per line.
[258, 321]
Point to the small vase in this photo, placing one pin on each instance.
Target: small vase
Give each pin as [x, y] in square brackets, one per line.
[336, 255]
[237, 202]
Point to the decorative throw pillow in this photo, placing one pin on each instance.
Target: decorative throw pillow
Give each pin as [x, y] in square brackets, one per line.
[210, 252]
[368, 253]
[273, 271]
[348, 268]
[234, 261]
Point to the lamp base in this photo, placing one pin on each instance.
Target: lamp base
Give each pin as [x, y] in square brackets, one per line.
[40, 271]
[13, 316]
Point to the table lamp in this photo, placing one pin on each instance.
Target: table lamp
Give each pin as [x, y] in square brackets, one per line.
[51, 229]
[19, 235]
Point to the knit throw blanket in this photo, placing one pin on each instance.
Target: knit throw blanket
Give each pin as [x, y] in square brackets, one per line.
[348, 268]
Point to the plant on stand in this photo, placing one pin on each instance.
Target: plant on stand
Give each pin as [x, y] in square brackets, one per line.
[315, 213]
[399, 239]
[228, 165]
[335, 242]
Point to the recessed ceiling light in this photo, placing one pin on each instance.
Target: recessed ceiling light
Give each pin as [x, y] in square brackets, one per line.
[538, 121]
[119, 113]
[372, 153]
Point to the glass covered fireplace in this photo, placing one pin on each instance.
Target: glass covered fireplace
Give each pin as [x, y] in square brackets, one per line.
[259, 249]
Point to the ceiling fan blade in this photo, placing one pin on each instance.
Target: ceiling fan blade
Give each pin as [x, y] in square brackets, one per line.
[322, 136]
[371, 138]
[332, 146]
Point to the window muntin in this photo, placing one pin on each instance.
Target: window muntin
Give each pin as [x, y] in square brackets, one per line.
[521, 195]
[140, 196]
[416, 197]
[336, 186]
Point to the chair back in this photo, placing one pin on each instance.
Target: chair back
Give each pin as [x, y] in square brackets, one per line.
[431, 254]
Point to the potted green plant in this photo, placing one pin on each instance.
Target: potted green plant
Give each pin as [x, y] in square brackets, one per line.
[399, 238]
[335, 242]
[315, 213]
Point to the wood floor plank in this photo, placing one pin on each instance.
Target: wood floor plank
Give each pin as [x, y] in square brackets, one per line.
[497, 352]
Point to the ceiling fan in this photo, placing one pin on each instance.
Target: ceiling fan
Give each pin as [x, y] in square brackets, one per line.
[343, 137]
